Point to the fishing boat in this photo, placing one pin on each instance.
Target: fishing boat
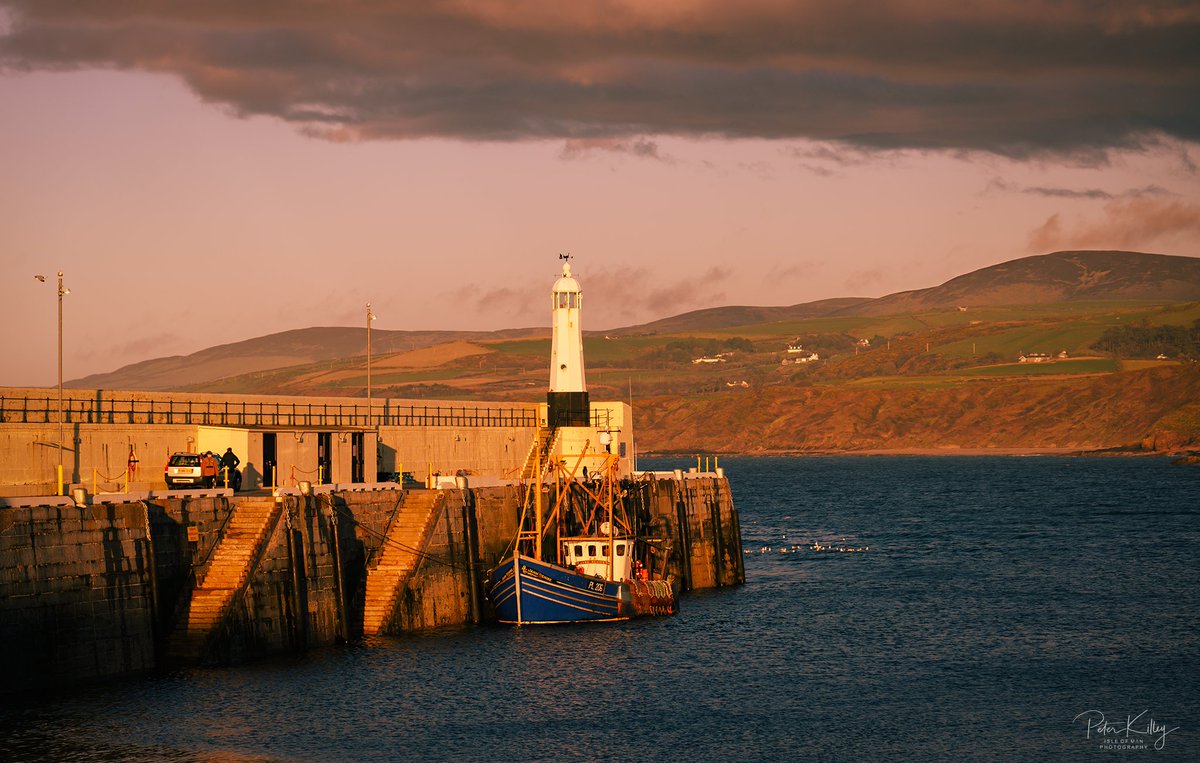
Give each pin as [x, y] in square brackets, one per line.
[597, 574]
[582, 561]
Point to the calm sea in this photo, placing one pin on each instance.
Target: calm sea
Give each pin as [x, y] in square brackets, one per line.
[1002, 606]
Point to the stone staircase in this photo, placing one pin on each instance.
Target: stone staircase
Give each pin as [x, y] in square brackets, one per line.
[399, 556]
[229, 567]
[539, 451]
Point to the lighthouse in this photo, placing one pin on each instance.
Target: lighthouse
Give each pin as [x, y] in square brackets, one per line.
[568, 398]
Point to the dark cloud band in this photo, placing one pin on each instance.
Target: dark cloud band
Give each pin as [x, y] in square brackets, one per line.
[1053, 76]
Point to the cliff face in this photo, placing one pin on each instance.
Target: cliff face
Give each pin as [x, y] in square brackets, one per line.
[1146, 408]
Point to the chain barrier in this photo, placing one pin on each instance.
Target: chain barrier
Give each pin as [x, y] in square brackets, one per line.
[292, 477]
[98, 476]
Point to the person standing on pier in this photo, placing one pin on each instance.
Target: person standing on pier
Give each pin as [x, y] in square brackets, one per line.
[230, 460]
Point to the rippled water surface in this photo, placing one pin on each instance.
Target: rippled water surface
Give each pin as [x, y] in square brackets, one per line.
[1000, 598]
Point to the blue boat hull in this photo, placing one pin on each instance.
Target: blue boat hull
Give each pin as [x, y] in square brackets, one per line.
[525, 591]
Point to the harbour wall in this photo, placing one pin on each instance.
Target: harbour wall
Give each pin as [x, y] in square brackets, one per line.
[281, 440]
[105, 589]
[96, 456]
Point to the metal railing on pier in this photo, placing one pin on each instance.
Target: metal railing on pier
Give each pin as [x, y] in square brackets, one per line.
[44, 410]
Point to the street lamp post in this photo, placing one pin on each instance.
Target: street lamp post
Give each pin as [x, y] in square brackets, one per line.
[370, 317]
[61, 293]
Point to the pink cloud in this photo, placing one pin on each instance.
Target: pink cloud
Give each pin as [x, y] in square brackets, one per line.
[612, 297]
[582, 148]
[1138, 222]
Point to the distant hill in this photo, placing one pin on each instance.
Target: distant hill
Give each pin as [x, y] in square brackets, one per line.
[1049, 278]
[1038, 280]
[282, 350]
[1042, 279]
[727, 317]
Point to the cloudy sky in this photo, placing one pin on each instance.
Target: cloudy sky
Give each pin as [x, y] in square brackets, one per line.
[206, 172]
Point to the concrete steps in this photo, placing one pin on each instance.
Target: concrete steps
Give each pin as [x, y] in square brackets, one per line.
[539, 451]
[229, 567]
[398, 557]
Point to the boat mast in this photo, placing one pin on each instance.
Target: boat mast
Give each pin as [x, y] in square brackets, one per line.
[558, 516]
[612, 517]
[537, 502]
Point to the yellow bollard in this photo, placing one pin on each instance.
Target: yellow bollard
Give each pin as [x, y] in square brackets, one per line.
[697, 462]
[60, 480]
[320, 471]
[226, 470]
[126, 480]
[716, 463]
[94, 490]
[274, 476]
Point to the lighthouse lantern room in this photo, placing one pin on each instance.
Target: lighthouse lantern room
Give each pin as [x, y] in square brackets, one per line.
[568, 398]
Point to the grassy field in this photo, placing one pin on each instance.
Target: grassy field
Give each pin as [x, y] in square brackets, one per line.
[1138, 365]
[1175, 315]
[1053, 368]
[595, 348]
[1074, 337]
[984, 373]
[403, 377]
[1101, 313]
[1072, 326]
[1073, 332]
[932, 381]
[952, 336]
[787, 329]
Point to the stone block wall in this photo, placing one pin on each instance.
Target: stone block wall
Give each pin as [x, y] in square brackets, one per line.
[175, 556]
[697, 519]
[95, 592]
[292, 598]
[498, 515]
[441, 591]
[76, 594]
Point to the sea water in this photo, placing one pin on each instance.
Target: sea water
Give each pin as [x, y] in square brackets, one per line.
[895, 608]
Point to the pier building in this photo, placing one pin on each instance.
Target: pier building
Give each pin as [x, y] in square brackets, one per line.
[281, 440]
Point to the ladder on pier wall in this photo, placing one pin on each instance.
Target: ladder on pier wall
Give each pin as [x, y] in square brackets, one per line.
[399, 556]
[232, 562]
[539, 451]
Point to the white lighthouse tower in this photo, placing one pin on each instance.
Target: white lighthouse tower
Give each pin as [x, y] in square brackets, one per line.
[568, 397]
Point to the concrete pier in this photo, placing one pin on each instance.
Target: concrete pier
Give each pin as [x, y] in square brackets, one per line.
[110, 589]
[281, 440]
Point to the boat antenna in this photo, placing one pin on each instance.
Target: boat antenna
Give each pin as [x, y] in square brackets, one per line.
[632, 444]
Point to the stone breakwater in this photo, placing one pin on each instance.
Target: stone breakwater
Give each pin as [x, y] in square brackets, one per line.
[110, 589]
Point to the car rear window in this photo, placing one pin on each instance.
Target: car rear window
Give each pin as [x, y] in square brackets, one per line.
[185, 459]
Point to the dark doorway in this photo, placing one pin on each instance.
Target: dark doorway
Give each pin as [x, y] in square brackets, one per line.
[386, 468]
[269, 460]
[325, 457]
[358, 459]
